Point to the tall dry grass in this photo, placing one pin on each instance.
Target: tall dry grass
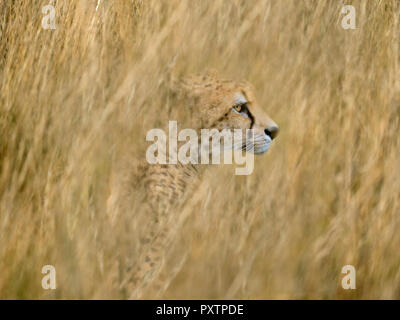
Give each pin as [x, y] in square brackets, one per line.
[75, 100]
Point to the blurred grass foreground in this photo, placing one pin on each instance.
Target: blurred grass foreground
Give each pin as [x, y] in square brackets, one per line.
[76, 99]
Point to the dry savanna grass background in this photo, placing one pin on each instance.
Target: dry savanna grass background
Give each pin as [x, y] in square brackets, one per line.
[76, 100]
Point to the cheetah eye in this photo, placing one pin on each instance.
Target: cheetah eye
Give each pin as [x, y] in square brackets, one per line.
[241, 109]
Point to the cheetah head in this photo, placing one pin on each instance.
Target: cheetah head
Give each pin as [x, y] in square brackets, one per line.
[224, 104]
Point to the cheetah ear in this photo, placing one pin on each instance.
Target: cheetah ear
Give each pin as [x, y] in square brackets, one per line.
[174, 83]
[180, 86]
[212, 73]
[186, 86]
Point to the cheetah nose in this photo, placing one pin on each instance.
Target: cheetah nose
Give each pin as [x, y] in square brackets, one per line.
[272, 131]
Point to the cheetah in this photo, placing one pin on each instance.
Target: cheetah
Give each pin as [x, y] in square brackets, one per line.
[214, 103]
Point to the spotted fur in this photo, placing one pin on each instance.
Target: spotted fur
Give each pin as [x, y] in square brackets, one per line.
[210, 100]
